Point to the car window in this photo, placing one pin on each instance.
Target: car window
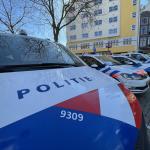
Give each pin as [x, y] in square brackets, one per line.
[138, 57]
[24, 50]
[91, 61]
[124, 61]
[108, 60]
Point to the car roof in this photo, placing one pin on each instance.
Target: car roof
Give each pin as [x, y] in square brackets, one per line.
[9, 35]
[91, 55]
[120, 56]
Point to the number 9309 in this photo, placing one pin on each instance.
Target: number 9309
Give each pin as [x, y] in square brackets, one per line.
[71, 115]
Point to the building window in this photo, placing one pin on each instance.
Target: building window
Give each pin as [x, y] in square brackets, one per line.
[134, 2]
[149, 29]
[134, 15]
[114, 42]
[144, 21]
[85, 45]
[98, 33]
[73, 47]
[97, 12]
[72, 9]
[73, 37]
[84, 25]
[113, 8]
[148, 41]
[113, 31]
[127, 41]
[113, 19]
[99, 44]
[144, 30]
[143, 42]
[73, 27]
[85, 15]
[98, 22]
[85, 35]
[96, 2]
[133, 27]
[70, 18]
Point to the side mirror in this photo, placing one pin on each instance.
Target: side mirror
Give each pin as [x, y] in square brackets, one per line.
[130, 63]
[94, 66]
[138, 64]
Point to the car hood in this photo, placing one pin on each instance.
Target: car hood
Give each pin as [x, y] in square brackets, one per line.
[143, 66]
[62, 106]
[125, 69]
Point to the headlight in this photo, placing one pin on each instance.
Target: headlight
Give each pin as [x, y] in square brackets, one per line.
[131, 76]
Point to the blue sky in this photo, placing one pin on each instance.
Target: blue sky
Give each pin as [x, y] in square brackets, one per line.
[143, 1]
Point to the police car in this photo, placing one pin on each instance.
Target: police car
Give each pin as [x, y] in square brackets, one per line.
[51, 100]
[132, 64]
[139, 57]
[136, 80]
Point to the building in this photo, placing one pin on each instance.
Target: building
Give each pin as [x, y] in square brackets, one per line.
[144, 42]
[113, 26]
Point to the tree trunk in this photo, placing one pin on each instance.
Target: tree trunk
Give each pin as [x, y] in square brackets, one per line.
[56, 34]
[56, 37]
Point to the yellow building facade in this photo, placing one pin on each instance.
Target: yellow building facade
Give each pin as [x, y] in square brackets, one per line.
[118, 31]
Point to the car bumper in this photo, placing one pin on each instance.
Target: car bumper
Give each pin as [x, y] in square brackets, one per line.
[138, 86]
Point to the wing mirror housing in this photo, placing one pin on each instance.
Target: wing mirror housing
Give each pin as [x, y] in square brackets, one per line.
[94, 66]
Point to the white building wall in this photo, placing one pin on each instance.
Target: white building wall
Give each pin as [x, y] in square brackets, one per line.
[92, 28]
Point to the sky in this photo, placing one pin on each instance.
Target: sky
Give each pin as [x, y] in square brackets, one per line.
[143, 1]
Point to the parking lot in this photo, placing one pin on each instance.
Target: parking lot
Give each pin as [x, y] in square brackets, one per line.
[145, 104]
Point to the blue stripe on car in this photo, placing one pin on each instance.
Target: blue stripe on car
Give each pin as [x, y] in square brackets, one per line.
[147, 69]
[46, 130]
[106, 70]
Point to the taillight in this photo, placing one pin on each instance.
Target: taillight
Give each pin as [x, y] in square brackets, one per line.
[134, 104]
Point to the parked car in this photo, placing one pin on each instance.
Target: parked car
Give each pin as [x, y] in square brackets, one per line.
[132, 64]
[137, 83]
[144, 58]
[49, 99]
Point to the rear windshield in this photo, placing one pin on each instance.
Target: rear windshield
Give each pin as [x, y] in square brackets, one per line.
[22, 50]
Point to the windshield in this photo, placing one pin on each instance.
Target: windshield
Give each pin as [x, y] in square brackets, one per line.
[140, 57]
[146, 56]
[108, 60]
[22, 50]
[124, 61]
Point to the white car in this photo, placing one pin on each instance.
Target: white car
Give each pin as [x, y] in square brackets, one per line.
[133, 79]
[132, 64]
[51, 100]
[139, 57]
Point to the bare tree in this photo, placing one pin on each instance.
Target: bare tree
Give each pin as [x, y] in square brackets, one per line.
[12, 15]
[60, 13]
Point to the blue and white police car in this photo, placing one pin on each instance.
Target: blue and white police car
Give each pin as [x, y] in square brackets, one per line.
[144, 58]
[136, 80]
[132, 64]
[51, 100]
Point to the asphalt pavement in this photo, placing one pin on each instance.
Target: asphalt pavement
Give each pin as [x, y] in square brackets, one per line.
[144, 100]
